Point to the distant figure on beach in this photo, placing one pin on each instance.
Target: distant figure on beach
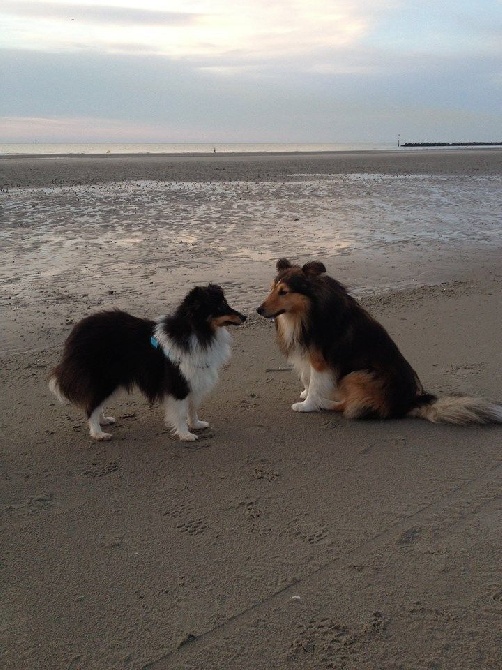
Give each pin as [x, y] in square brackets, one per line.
[214, 150]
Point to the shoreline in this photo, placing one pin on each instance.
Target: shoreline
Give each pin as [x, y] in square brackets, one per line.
[33, 170]
[401, 149]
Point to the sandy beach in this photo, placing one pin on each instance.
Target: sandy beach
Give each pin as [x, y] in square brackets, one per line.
[280, 540]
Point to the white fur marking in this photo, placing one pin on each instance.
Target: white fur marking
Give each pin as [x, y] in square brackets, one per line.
[289, 330]
[319, 386]
[54, 388]
[461, 411]
[95, 427]
[319, 393]
[199, 365]
[193, 420]
[106, 420]
[176, 415]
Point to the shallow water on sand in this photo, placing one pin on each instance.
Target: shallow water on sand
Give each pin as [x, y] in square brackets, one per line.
[80, 248]
[195, 225]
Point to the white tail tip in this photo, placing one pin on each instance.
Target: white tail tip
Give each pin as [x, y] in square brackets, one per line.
[461, 411]
[54, 388]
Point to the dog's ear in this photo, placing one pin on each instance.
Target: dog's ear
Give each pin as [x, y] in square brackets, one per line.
[215, 291]
[196, 294]
[283, 264]
[314, 268]
[193, 301]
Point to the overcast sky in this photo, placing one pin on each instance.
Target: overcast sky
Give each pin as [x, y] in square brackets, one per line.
[250, 70]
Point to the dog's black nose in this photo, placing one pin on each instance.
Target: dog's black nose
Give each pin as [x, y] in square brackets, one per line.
[243, 317]
[260, 311]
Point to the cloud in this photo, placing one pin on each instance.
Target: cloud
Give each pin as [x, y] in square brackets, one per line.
[95, 14]
[208, 28]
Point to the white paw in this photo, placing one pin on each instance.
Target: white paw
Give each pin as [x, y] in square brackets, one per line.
[198, 425]
[187, 437]
[303, 394]
[107, 420]
[304, 407]
[101, 436]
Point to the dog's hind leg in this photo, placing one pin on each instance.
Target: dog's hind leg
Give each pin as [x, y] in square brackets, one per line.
[176, 416]
[106, 420]
[94, 417]
[363, 396]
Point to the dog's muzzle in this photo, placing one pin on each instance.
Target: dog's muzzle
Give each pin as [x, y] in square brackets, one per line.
[236, 318]
[263, 312]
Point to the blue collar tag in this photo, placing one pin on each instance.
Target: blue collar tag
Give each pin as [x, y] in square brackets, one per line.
[172, 357]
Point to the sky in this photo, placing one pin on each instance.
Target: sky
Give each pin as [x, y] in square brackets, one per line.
[310, 71]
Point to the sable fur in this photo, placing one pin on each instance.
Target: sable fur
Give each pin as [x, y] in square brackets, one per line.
[112, 350]
[347, 360]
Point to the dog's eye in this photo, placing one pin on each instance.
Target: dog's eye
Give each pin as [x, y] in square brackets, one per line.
[282, 291]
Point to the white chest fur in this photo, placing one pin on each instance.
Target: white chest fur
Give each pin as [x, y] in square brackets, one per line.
[199, 365]
[288, 330]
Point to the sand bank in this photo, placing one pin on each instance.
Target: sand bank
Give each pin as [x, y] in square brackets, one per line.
[71, 170]
[280, 540]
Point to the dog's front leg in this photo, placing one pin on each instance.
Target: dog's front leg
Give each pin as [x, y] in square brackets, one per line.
[320, 390]
[193, 420]
[176, 415]
[302, 366]
[305, 380]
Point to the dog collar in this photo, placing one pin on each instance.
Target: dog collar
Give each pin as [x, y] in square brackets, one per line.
[167, 353]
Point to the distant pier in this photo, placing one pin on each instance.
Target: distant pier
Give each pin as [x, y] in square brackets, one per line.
[450, 144]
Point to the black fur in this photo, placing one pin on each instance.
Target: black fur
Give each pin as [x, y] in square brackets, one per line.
[111, 350]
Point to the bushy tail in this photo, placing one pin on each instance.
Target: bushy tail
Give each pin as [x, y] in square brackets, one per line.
[461, 410]
[54, 388]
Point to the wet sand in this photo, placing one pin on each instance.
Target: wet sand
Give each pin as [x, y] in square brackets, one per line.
[279, 540]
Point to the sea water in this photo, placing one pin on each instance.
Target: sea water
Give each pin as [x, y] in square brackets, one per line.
[186, 148]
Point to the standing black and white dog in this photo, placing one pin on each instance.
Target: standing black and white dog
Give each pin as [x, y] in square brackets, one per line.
[174, 359]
